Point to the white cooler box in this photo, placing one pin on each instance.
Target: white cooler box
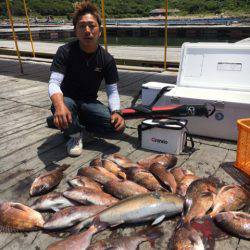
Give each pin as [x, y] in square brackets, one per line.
[165, 136]
[216, 73]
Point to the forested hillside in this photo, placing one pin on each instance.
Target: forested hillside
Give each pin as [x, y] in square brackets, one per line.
[130, 8]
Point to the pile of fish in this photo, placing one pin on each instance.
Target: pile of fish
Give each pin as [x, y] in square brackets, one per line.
[113, 190]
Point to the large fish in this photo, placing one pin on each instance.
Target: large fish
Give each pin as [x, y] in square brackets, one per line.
[88, 196]
[236, 223]
[144, 178]
[128, 242]
[186, 238]
[70, 216]
[45, 182]
[230, 198]
[80, 241]
[124, 189]
[199, 207]
[167, 160]
[199, 198]
[164, 176]
[16, 217]
[153, 206]
[52, 201]
[184, 184]
[180, 173]
[83, 181]
[98, 174]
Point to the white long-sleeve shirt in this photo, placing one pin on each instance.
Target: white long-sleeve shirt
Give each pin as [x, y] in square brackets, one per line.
[111, 90]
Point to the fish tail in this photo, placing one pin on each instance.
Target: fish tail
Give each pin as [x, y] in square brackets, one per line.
[64, 167]
[122, 175]
[99, 225]
[78, 227]
[151, 234]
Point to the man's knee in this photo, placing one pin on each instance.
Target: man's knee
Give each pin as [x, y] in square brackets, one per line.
[70, 104]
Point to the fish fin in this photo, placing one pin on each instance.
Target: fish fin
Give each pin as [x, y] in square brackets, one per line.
[122, 175]
[117, 224]
[99, 225]
[78, 227]
[151, 234]
[19, 206]
[158, 220]
[187, 205]
[55, 209]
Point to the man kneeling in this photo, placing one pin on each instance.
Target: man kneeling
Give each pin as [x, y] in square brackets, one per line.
[77, 71]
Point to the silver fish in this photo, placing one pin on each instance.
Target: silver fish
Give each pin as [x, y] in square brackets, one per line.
[153, 206]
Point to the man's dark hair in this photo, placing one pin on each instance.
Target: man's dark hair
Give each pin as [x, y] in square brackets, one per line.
[85, 7]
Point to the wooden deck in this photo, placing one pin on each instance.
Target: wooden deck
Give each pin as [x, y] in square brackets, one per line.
[28, 147]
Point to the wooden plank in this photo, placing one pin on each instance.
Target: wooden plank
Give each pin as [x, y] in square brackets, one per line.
[205, 160]
[24, 91]
[15, 117]
[22, 121]
[14, 145]
[29, 128]
[243, 245]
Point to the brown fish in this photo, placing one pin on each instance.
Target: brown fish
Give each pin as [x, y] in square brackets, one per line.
[96, 162]
[236, 223]
[184, 184]
[128, 242]
[16, 217]
[186, 238]
[98, 174]
[199, 207]
[144, 178]
[83, 181]
[230, 198]
[124, 189]
[164, 176]
[113, 168]
[70, 216]
[167, 160]
[45, 182]
[118, 159]
[52, 201]
[79, 241]
[87, 196]
[179, 173]
[199, 198]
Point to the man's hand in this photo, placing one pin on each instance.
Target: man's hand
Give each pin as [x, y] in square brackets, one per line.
[62, 117]
[118, 122]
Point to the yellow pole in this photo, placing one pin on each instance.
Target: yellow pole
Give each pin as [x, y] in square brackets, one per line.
[14, 34]
[104, 26]
[166, 37]
[28, 25]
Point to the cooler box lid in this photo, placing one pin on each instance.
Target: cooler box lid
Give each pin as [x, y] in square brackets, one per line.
[211, 95]
[215, 66]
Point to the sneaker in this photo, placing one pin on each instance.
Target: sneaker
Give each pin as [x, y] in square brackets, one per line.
[74, 146]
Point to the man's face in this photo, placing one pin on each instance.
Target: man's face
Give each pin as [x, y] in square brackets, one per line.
[88, 30]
